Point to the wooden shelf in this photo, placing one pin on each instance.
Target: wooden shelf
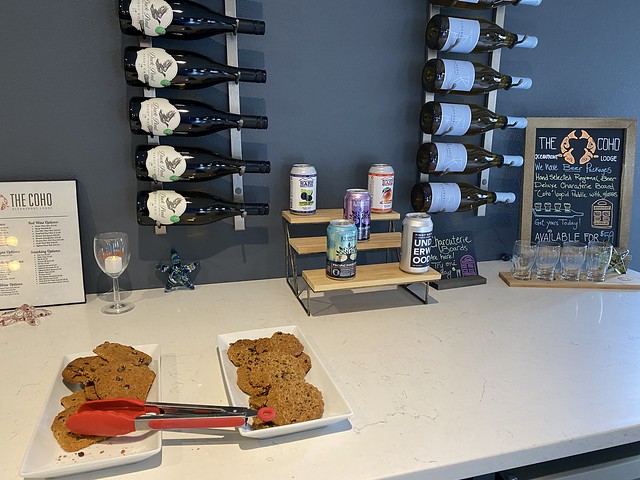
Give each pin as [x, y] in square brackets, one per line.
[630, 281]
[328, 214]
[378, 241]
[375, 275]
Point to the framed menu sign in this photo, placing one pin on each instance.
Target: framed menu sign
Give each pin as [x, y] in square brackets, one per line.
[578, 180]
[40, 260]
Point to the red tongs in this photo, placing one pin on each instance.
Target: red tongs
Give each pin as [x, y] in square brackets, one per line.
[119, 416]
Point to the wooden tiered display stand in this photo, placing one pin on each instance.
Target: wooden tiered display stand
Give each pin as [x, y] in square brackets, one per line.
[374, 275]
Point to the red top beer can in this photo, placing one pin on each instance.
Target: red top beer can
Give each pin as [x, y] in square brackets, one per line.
[380, 186]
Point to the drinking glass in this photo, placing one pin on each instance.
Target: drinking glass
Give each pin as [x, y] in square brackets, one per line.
[572, 258]
[112, 253]
[598, 258]
[523, 258]
[548, 256]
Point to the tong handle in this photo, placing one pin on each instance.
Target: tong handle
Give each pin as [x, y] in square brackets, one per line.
[211, 422]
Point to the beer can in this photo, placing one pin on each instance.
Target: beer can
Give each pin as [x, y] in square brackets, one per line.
[342, 249]
[302, 189]
[357, 207]
[415, 249]
[380, 186]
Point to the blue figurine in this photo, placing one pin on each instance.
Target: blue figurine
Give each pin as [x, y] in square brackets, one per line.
[178, 272]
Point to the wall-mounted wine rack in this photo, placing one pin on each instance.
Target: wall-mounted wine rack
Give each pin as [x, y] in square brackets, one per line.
[489, 101]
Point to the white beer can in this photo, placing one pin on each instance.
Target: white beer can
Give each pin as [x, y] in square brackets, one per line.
[380, 186]
[302, 183]
[415, 249]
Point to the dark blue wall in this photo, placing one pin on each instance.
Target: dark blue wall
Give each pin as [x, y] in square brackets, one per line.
[343, 92]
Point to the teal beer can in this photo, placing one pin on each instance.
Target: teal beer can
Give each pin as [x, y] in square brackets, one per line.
[342, 249]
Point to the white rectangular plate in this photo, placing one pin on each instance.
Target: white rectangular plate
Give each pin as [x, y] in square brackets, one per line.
[45, 458]
[336, 407]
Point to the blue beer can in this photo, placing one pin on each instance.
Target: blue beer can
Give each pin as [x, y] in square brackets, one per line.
[342, 249]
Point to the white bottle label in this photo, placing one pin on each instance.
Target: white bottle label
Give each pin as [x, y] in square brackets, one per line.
[452, 157]
[463, 35]
[156, 67]
[158, 116]
[151, 17]
[166, 206]
[456, 119]
[459, 75]
[445, 197]
[165, 164]
[302, 193]
[380, 186]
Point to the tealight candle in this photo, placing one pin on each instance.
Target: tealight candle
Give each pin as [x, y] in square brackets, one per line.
[113, 264]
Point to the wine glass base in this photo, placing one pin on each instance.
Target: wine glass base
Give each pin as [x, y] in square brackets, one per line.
[114, 309]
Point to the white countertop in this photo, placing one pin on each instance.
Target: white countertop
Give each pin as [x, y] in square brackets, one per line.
[482, 379]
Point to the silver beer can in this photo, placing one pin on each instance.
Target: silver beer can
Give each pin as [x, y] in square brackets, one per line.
[302, 189]
[342, 249]
[380, 186]
[357, 207]
[415, 250]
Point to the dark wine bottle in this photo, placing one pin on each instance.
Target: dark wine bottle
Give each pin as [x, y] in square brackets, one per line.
[466, 78]
[470, 35]
[179, 19]
[168, 207]
[453, 197]
[159, 116]
[441, 158]
[179, 69]
[438, 118]
[482, 4]
[164, 163]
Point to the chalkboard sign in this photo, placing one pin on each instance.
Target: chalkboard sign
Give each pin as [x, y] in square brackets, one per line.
[454, 256]
[578, 180]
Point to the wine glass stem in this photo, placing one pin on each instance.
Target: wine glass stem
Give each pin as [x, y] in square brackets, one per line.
[116, 292]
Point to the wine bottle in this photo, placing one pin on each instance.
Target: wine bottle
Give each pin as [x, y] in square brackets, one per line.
[438, 118]
[466, 78]
[164, 163]
[481, 4]
[453, 197]
[168, 207]
[179, 19]
[159, 116]
[442, 158]
[467, 35]
[179, 69]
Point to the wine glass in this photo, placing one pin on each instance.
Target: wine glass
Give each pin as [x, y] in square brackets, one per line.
[112, 253]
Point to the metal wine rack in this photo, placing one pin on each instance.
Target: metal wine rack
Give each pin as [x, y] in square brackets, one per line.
[489, 101]
[235, 135]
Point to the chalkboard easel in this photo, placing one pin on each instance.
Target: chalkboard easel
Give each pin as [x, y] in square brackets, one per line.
[453, 255]
[578, 180]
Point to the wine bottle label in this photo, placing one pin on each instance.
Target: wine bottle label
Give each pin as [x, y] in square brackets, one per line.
[151, 17]
[513, 160]
[527, 41]
[463, 35]
[505, 197]
[452, 157]
[522, 83]
[158, 116]
[516, 122]
[458, 75]
[165, 164]
[445, 197]
[456, 119]
[166, 206]
[156, 67]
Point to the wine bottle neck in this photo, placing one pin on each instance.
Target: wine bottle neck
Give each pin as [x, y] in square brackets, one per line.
[505, 197]
[252, 27]
[513, 160]
[526, 41]
[256, 208]
[252, 75]
[253, 121]
[521, 83]
[257, 167]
